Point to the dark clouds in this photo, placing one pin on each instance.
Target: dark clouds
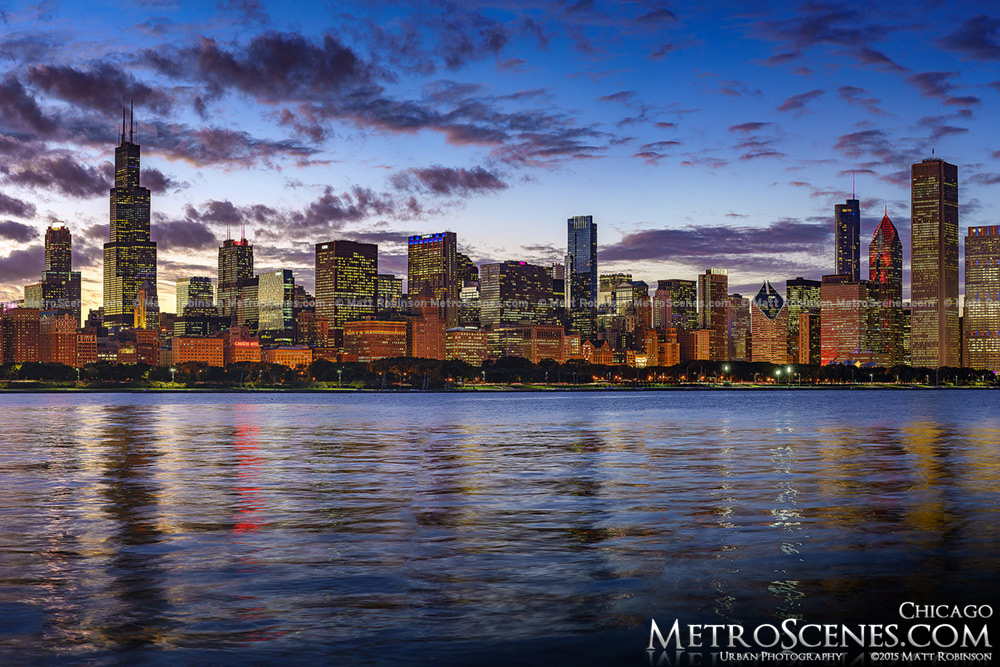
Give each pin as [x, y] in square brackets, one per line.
[978, 38]
[17, 232]
[860, 97]
[61, 173]
[798, 102]
[158, 182]
[274, 67]
[703, 243]
[448, 181]
[19, 110]
[105, 87]
[14, 206]
[24, 265]
[183, 235]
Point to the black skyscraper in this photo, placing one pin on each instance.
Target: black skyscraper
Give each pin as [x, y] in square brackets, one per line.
[129, 256]
[848, 239]
[581, 275]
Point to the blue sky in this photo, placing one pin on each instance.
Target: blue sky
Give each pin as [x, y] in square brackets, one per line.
[720, 134]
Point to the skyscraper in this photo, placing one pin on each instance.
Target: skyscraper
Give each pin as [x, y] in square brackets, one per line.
[843, 320]
[514, 292]
[982, 298]
[581, 283]
[675, 304]
[934, 337]
[129, 255]
[194, 296]
[275, 294]
[801, 295]
[738, 327]
[235, 264]
[713, 297]
[59, 289]
[885, 287]
[769, 326]
[345, 283]
[847, 239]
[432, 259]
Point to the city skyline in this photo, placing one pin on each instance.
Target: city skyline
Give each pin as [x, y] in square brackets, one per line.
[495, 122]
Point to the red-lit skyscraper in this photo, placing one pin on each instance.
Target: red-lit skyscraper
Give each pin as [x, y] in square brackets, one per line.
[885, 288]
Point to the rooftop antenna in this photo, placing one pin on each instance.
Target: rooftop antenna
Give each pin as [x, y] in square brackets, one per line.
[228, 234]
[123, 124]
[852, 185]
[131, 120]
[242, 237]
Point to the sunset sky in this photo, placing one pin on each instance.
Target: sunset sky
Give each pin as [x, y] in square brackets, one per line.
[697, 135]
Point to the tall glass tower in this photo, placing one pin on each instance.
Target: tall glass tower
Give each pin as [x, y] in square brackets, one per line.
[847, 239]
[129, 255]
[581, 275]
[432, 261]
[934, 336]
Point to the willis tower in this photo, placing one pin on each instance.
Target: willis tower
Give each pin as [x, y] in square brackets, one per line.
[129, 256]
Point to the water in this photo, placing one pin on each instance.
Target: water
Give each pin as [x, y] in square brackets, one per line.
[460, 528]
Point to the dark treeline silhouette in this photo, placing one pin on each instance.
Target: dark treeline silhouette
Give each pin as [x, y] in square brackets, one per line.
[405, 373]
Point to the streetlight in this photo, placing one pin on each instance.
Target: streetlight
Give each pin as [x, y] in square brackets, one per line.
[789, 371]
[777, 375]
[340, 376]
[172, 372]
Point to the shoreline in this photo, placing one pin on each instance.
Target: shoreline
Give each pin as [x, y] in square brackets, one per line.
[479, 389]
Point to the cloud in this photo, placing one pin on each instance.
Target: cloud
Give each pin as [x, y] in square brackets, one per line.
[61, 173]
[623, 96]
[275, 67]
[977, 38]
[13, 206]
[798, 102]
[857, 96]
[183, 235]
[105, 87]
[653, 152]
[963, 101]
[17, 232]
[448, 181]
[985, 178]
[932, 84]
[19, 108]
[869, 56]
[782, 58]
[705, 243]
[22, 265]
[671, 47]
[750, 126]
[158, 182]
[250, 11]
[939, 127]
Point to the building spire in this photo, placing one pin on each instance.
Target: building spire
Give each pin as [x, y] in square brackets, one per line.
[852, 185]
[123, 125]
[131, 121]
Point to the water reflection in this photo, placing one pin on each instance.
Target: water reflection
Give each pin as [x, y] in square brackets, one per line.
[277, 524]
[133, 564]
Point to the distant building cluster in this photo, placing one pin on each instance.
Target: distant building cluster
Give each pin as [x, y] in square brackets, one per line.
[453, 309]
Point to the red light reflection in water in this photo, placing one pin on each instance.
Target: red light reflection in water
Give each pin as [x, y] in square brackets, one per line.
[249, 501]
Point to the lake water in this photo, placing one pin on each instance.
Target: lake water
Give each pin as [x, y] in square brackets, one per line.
[528, 528]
